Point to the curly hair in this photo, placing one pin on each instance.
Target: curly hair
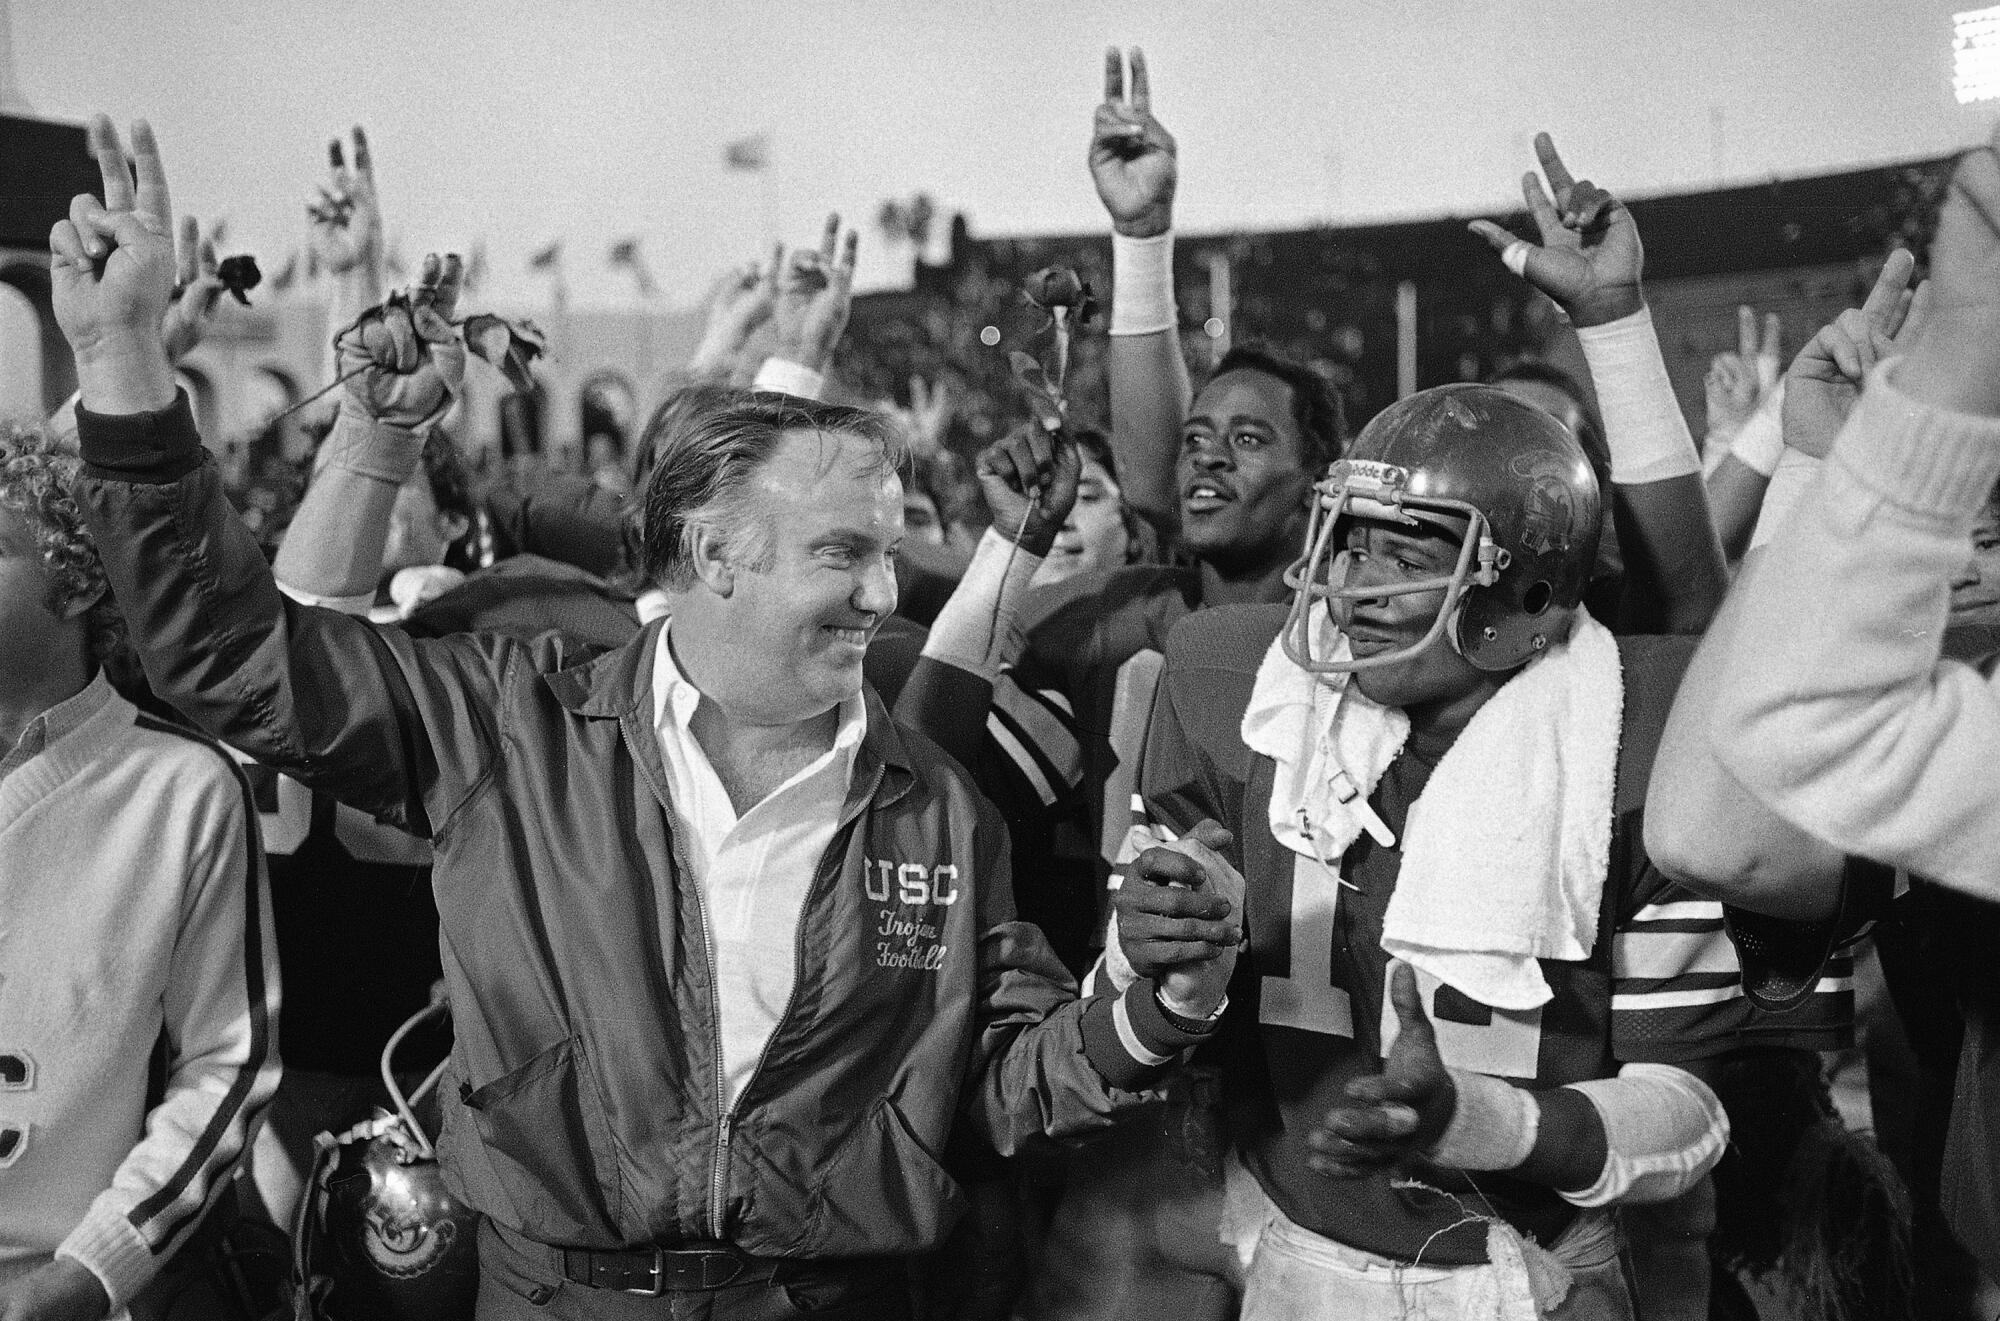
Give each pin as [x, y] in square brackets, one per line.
[36, 478]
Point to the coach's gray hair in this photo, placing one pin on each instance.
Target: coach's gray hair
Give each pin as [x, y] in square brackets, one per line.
[703, 459]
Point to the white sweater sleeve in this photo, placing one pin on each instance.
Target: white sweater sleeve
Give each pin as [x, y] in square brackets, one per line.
[220, 1012]
[1834, 707]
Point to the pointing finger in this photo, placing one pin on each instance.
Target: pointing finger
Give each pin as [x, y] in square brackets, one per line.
[364, 163]
[1889, 286]
[117, 175]
[843, 271]
[155, 206]
[1540, 207]
[187, 253]
[1915, 315]
[829, 239]
[450, 283]
[1114, 76]
[1746, 331]
[1772, 346]
[1142, 91]
[1560, 179]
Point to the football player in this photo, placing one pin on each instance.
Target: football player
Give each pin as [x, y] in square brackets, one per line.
[1405, 1130]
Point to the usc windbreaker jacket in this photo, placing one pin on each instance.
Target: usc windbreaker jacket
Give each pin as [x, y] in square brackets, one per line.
[583, 1105]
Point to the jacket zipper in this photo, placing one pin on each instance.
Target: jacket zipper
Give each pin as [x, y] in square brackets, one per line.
[719, 1162]
[726, 1112]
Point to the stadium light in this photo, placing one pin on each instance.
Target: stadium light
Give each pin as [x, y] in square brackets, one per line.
[1975, 55]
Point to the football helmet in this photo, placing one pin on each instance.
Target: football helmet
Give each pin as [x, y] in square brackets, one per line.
[379, 1237]
[1505, 478]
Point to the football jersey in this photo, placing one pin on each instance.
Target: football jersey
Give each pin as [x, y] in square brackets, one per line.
[1308, 1004]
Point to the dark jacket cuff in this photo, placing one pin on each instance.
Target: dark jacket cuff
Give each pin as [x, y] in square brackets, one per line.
[1129, 1039]
[156, 448]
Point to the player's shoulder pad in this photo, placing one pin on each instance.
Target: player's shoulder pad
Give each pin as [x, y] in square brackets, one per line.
[1212, 659]
[1653, 666]
[1078, 603]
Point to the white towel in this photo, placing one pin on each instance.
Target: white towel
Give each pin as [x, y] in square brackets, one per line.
[1317, 728]
[1506, 850]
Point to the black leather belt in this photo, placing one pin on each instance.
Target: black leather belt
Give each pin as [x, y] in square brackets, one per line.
[698, 1266]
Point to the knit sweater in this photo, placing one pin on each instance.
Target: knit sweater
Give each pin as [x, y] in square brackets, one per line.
[1835, 708]
[133, 909]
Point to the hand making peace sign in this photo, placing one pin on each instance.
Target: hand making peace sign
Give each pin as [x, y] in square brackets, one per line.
[1132, 157]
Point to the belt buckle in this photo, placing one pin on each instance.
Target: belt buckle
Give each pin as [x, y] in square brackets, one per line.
[657, 1271]
[690, 1268]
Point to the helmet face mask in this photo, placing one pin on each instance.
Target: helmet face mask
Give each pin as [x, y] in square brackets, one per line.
[1505, 480]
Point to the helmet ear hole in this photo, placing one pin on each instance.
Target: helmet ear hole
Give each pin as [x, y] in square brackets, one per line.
[1536, 599]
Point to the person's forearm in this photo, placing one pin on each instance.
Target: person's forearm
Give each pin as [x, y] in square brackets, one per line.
[1705, 829]
[220, 1010]
[1735, 495]
[328, 700]
[1675, 572]
[1150, 390]
[333, 548]
[1833, 707]
[1646, 1135]
[351, 293]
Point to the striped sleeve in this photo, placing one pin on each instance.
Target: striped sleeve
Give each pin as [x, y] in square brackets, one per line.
[1035, 731]
[220, 1009]
[1677, 989]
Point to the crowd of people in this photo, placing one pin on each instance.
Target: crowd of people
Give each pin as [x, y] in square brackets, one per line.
[1222, 862]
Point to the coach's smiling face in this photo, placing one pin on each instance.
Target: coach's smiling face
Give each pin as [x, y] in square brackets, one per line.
[812, 577]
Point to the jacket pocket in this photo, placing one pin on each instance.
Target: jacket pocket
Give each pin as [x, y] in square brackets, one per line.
[882, 1193]
[545, 1133]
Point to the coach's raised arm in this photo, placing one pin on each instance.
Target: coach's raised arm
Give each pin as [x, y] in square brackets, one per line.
[656, 1074]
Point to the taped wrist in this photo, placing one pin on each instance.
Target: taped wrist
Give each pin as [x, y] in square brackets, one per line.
[977, 630]
[1493, 1125]
[1663, 1130]
[362, 444]
[1643, 427]
[1761, 442]
[1142, 285]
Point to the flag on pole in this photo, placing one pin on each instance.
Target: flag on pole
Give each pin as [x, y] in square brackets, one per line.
[751, 153]
[625, 253]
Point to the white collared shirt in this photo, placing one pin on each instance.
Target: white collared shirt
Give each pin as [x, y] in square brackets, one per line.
[753, 872]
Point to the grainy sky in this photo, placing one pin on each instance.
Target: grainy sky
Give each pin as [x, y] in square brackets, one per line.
[521, 121]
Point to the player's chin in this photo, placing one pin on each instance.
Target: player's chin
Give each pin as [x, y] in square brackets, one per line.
[1390, 685]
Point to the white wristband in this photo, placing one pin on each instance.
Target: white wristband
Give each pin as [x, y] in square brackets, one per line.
[1643, 427]
[976, 631]
[1142, 285]
[787, 377]
[1761, 442]
[1493, 1126]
